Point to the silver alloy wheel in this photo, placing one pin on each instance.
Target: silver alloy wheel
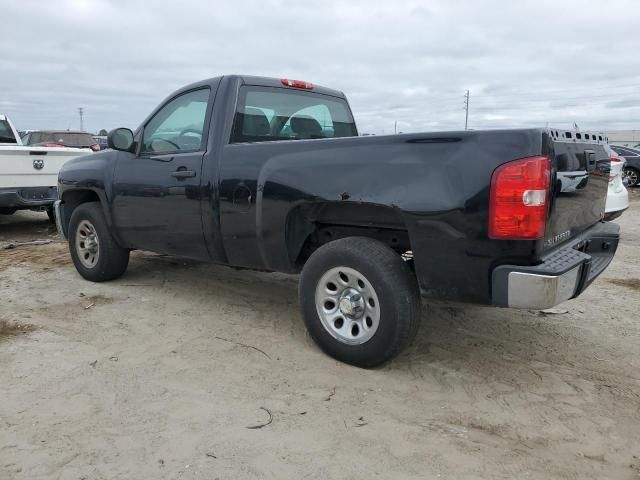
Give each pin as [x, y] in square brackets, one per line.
[347, 305]
[631, 175]
[87, 244]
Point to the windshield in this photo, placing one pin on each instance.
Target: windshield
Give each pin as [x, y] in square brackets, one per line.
[6, 134]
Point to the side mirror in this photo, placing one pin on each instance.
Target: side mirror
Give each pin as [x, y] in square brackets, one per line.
[120, 139]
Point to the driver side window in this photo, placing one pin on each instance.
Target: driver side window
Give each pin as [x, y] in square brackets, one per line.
[178, 126]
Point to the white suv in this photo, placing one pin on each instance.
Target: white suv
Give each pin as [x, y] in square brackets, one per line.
[617, 196]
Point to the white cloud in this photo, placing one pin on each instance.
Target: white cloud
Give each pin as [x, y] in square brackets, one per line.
[526, 63]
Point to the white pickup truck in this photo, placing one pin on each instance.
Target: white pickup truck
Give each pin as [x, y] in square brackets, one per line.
[29, 175]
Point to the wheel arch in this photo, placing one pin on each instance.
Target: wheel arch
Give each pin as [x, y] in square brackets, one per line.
[310, 226]
[74, 198]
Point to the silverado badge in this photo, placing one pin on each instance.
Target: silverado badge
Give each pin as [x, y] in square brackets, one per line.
[557, 238]
[38, 164]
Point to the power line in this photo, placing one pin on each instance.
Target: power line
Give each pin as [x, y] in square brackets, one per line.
[522, 104]
[542, 91]
[466, 108]
[587, 100]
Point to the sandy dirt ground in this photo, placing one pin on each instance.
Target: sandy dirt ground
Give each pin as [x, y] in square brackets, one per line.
[163, 373]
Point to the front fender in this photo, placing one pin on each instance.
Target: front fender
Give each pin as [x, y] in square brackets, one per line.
[87, 179]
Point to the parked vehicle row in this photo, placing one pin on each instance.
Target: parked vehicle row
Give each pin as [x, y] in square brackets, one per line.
[280, 181]
[29, 173]
[101, 140]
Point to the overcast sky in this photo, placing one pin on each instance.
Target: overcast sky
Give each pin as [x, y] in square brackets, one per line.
[525, 63]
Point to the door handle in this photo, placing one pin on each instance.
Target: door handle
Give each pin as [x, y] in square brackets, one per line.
[183, 173]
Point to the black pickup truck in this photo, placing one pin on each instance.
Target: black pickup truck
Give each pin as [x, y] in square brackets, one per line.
[270, 174]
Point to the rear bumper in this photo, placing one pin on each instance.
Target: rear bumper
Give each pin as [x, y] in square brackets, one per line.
[563, 274]
[28, 197]
[613, 215]
[617, 201]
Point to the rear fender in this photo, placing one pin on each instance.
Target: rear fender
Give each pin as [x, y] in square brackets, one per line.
[311, 225]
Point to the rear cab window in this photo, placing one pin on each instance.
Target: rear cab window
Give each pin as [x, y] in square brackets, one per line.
[73, 139]
[266, 114]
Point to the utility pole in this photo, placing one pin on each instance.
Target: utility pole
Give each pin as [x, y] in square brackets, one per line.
[81, 112]
[466, 107]
[395, 127]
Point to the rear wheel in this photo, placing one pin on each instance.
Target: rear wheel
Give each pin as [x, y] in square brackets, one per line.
[94, 252]
[360, 301]
[51, 214]
[632, 176]
[7, 211]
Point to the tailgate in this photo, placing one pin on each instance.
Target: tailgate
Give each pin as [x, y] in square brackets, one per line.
[33, 166]
[579, 185]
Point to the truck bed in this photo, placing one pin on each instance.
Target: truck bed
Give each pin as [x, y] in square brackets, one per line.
[435, 186]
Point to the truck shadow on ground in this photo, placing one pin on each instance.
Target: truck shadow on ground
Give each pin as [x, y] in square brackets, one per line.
[25, 225]
[500, 344]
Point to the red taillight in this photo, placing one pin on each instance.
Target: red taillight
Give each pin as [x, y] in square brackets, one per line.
[297, 84]
[95, 147]
[518, 199]
[49, 144]
[616, 160]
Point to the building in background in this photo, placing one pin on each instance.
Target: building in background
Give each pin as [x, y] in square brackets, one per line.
[624, 138]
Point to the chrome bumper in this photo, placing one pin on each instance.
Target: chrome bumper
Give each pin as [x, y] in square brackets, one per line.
[57, 207]
[531, 290]
[559, 275]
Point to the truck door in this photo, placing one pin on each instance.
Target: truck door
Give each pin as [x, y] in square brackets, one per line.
[157, 191]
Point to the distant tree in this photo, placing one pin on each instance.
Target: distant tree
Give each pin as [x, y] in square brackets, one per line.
[102, 132]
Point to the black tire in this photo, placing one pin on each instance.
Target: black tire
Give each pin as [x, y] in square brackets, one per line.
[395, 286]
[632, 176]
[112, 260]
[51, 214]
[7, 211]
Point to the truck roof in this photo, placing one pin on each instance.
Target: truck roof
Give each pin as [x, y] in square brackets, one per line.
[262, 82]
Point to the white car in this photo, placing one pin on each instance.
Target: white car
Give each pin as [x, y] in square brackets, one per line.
[29, 175]
[617, 196]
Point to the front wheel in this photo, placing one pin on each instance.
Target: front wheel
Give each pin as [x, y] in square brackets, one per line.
[94, 252]
[360, 301]
[632, 176]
